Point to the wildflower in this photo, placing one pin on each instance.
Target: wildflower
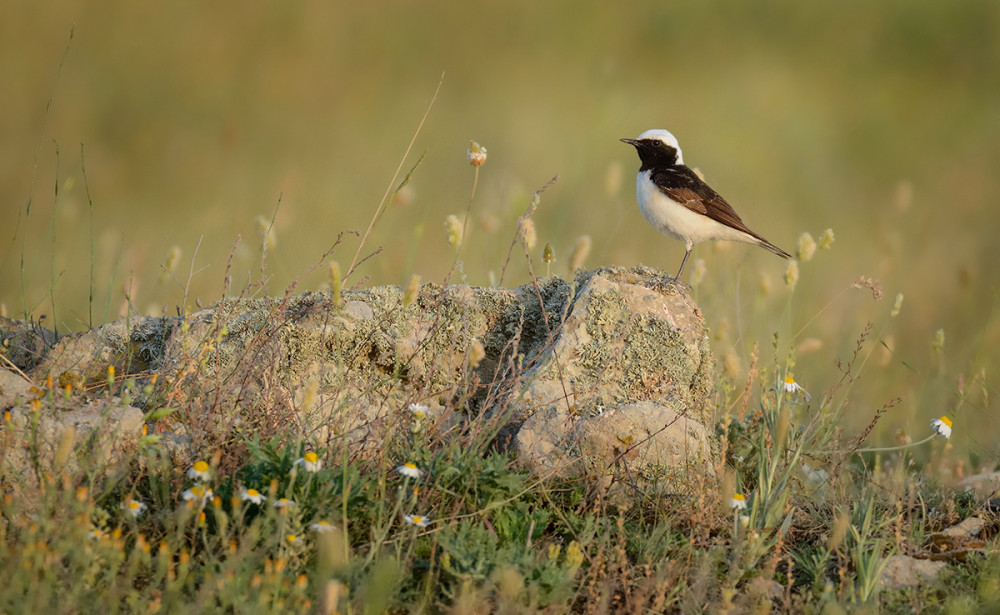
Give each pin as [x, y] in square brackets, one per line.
[806, 247]
[942, 426]
[292, 538]
[794, 388]
[580, 251]
[200, 493]
[476, 154]
[548, 254]
[896, 306]
[476, 353]
[410, 470]
[252, 495]
[170, 264]
[134, 507]
[199, 471]
[321, 527]
[419, 411]
[938, 342]
[744, 521]
[826, 239]
[738, 502]
[453, 227]
[792, 275]
[336, 283]
[310, 461]
[412, 291]
[528, 233]
[417, 520]
[284, 503]
[94, 534]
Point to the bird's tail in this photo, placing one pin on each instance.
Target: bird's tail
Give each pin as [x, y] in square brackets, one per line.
[767, 245]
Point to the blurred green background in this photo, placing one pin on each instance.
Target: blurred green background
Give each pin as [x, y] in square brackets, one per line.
[878, 120]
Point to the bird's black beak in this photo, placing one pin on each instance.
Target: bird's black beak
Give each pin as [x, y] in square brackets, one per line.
[629, 141]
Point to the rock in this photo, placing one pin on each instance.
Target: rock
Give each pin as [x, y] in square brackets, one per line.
[983, 485]
[14, 389]
[606, 376]
[53, 436]
[24, 343]
[902, 571]
[622, 388]
[131, 346]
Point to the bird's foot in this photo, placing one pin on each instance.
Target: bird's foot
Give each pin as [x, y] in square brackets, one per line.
[672, 282]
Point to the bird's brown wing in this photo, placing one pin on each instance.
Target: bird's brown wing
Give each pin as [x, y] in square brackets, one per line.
[681, 184]
[684, 186]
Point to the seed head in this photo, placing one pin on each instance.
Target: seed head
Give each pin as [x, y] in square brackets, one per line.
[579, 254]
[476, 154]
[806, 247]
[453, 226]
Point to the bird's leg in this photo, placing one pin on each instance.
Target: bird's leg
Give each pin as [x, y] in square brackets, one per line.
[687, 253]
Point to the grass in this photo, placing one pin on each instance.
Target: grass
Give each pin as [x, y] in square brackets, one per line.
[438, 520]
[860, 144]
[471, 532]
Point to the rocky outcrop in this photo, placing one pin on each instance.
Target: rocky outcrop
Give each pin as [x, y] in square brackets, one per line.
[605, 376]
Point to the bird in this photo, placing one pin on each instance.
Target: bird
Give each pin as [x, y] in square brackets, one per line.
[677, 202]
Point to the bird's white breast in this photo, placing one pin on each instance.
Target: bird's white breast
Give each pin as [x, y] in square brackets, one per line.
[672, 218]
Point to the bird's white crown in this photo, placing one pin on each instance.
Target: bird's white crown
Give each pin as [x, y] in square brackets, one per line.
[665, 136]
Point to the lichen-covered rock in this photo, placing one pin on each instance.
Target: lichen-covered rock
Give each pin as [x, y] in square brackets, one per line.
[602, 375]
[24, 343]
[623, 385]
[131, 346]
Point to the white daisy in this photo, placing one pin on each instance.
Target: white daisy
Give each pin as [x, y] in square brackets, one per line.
[284, 503]
[794, 388]
[942, 426]
[410, 470]
[417, 520]
[321, 527]
[200, 493]
[418, 411]
[199, 471]
[310, 461]
[134, 507]
[738, 502]
[252, 495]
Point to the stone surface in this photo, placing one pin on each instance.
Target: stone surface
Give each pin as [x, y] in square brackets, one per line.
[903, 571]
[606, 376]
[44, 439]
[622, 389]
[13, 389]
